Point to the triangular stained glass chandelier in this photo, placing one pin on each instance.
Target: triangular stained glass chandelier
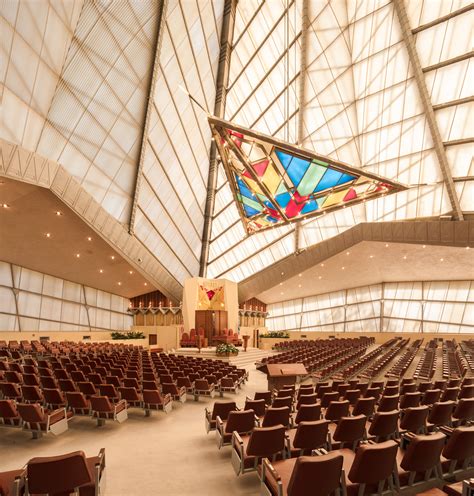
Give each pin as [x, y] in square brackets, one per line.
[275, 183]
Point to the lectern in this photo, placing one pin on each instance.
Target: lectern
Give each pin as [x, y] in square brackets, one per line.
[284, 374]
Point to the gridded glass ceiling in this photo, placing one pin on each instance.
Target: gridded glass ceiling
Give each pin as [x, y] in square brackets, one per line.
[275, 183]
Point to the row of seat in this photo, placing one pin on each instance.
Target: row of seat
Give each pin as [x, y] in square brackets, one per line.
[372, 468]
[401, 366]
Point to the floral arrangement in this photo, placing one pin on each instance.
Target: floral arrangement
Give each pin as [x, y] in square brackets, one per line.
[276, 334]
[226, 349]
[128, 335]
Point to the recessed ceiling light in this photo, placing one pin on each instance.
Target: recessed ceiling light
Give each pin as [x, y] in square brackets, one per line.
[371, 256]
[5, 205]
[348, 252]
[119, 283]
[130, 271]
[282, 273]
[282, 293]
[322, 265]
[441, 259]
[113, 257]
[299, 275]
[78, 255]
[101, 271]
[145, 284]
[281, 284]
[404, 257]
[386, 245]
[320, 277]
[467, 247]
[48, 235]
[58, 213]
[299, 285]
[424, 246]
[89, 238]
[343, 268]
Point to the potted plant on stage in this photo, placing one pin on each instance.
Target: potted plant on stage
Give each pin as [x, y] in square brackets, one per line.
[226, 349]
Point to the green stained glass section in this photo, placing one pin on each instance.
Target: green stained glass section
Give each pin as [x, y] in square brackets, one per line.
[311, 179]
[251, 203]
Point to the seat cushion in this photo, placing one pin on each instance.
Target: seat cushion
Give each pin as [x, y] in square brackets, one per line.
[284, 469]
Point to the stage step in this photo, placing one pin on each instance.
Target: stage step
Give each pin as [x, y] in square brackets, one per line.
[243, 359]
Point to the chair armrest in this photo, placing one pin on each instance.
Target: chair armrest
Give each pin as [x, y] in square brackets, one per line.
[237, 443]
[121, 405]
[207, 414]
[56, 415]
[220, 425]
[270, 470]
[446, 430]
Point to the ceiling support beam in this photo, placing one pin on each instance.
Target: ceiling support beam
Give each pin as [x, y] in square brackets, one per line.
[452, 103]
[447, 62]
[442, 19]
[428, 107]
[222, 80]
[302, 92]
[303, 68]
[162, 6]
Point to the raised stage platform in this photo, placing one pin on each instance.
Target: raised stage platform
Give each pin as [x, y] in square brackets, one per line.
[244, 358]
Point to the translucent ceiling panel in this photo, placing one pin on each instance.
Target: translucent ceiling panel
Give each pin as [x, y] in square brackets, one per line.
[95, 121]
[35, 40]
[172, 195]
[262, 95]
[44, 302]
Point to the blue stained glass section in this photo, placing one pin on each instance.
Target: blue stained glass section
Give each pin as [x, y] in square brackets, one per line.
[346, 178]
[297, 169]
[311, 206]
[243, 188]
[249, 211]
[283, 199]
[329, 180]
[285, 158]
[271, 219]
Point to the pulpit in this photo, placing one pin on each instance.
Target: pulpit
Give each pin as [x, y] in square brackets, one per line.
[246, 341]
[284, 374]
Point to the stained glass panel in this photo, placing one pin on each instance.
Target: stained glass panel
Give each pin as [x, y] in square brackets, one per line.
[276, 182]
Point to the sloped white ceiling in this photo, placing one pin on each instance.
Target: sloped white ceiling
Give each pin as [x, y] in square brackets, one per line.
[172, 195]
[361, 105]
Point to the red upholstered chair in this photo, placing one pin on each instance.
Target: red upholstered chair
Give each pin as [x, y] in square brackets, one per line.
[131, 396]
[10, 391]
[242, 422]
[64, 474]
[9, 415]
[372, 466]
[263, 442]
[323, 474]
[221, 409]
[78, 403]
[39, 421]
[420, 461]
[54, 399]
[307, 437]
[102, 409]
[177, 393]
[154, 400]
